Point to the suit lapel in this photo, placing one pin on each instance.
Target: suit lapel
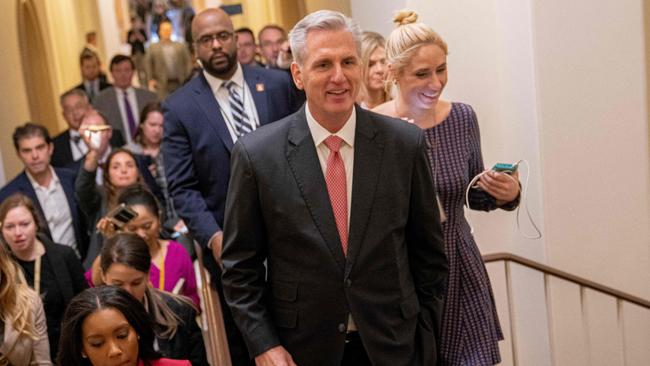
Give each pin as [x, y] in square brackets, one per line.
[66, 148]
[208, 104]
[259, 93]
[57, 264]
[368, 149]
[304, 163]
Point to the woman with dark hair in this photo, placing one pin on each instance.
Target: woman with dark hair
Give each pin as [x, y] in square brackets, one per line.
[52, 270]
[148, 139]
[126, 262]
[23, 334]
[119, 173]
[171, 265]
[108, 326]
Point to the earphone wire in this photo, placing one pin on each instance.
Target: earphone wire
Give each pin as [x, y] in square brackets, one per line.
[524, 201]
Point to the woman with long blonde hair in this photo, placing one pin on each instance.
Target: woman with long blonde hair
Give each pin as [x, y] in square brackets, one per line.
[373, 73]
[23, 330]
[417, 66]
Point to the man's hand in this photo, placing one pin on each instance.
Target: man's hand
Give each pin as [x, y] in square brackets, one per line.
[216, 243]
[276, 356]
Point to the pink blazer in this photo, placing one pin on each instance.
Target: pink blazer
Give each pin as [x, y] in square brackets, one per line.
[167, 362]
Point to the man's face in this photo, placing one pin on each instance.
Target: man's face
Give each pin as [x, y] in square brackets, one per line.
[122, 74]
[216, 44]
[74, 109]
[245, 48]
[35, 154]
[270, 42]
[165, 31]
[330, 74]
[90, 68]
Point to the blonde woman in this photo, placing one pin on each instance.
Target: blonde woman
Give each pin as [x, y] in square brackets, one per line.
[373, 61]
[23, 330]
[417, 65]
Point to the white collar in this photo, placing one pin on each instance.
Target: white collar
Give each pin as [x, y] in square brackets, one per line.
[320, 133]
[121, 91]
[35, 185]
[216, 83]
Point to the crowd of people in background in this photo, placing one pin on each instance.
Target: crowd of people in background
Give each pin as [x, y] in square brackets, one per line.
[170, 138]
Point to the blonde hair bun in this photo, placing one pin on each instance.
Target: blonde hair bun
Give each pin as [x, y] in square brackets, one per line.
[404, 17]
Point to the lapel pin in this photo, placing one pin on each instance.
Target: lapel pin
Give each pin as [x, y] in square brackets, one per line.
[259, 87]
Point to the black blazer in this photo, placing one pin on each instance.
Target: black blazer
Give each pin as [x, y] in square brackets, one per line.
[187, 342]
[62, 156]
[70, 280]
[67, 177]
[278, 210]
[103, 84]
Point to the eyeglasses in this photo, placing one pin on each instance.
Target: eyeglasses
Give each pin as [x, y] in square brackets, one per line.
[207, 40]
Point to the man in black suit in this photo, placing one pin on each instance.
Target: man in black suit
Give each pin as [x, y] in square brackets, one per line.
[92, 81]
[51, 189]
[69, 146]
[203, 119]
[340, 204]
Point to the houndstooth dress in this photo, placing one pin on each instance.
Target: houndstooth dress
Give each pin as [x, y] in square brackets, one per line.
[470, 326]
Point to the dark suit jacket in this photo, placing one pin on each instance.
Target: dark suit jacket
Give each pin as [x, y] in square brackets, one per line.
[70, 281]
[187, 343]
[106, 102]
[278, 210]
[197, 145]
[103, 84]
[62, 156]
[22, 184]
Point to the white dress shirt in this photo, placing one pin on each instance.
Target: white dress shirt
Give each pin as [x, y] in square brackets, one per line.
[79, 148]
[319, 134]
[346, 133]
[222, 96]
[133, 101]
[55, 207]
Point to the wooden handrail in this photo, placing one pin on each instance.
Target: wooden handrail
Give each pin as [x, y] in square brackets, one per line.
[495, 257]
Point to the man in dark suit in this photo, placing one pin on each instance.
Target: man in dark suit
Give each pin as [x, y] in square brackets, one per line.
[122, 103]
[92, 82]
[69, 147]
[203, 119]
[51, 189]
[340, 204]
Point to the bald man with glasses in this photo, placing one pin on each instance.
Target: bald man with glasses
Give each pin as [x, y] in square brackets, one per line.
[203, 120]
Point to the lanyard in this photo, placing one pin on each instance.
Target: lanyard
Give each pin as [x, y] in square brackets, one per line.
[37, 274]
[161, 279]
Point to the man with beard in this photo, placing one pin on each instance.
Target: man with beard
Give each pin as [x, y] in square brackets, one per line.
[203, 120]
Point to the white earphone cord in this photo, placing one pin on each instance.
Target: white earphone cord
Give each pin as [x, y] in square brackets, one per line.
[523, 201]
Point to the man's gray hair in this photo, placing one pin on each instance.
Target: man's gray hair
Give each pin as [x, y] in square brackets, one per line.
[321, 20]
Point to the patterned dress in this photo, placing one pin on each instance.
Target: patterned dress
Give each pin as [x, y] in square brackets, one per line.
[470, 326]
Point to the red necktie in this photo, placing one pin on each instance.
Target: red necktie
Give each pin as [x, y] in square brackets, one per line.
[337, 188]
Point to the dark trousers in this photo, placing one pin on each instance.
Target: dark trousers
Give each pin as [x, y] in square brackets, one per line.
[354, 353]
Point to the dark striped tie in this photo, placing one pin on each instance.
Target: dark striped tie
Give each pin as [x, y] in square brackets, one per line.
[239, 116]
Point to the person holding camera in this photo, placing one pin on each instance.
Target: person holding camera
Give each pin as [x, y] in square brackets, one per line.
[171, 266]
[119, 170]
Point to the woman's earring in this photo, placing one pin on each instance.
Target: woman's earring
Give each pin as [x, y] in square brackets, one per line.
[83, 355]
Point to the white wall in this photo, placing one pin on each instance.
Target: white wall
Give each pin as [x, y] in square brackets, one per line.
[562, 85]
